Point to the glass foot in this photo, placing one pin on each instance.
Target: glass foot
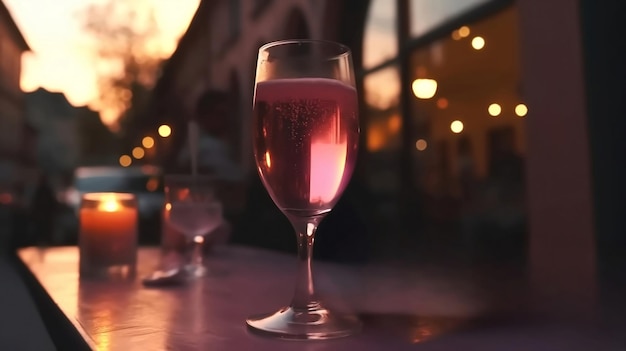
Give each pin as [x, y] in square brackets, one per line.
[195, 271]
[316, 323]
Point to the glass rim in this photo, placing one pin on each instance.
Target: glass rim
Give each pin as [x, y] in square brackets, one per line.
[346, 51]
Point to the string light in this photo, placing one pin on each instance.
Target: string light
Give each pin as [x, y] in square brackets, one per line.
[456, 126]
[478, 43]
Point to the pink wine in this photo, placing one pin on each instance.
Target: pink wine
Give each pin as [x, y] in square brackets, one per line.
[305, 141]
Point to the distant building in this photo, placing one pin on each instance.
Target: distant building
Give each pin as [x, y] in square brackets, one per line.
[54, 119]
[98, 145]
[68, 136]
[16, 137]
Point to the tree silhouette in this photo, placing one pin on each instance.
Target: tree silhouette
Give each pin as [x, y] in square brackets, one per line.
[124, 35]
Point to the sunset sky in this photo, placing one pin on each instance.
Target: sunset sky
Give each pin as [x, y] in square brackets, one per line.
[61, 59]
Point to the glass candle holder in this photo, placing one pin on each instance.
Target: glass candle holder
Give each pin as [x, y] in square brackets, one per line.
[108, 235]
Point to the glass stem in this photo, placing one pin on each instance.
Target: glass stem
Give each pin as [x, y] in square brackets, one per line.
[196, 251]
[304, 298]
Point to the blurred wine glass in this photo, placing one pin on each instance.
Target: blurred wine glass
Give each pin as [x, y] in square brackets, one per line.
[193, 209]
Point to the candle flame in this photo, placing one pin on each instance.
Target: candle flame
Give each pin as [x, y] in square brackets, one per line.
[109, 204]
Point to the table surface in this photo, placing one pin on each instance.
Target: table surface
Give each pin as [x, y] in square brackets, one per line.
[402, 308]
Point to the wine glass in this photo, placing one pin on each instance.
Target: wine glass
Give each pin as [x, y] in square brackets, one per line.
[305, 135]
[193, 209]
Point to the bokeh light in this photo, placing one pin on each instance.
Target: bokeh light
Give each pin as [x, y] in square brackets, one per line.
[521, 110]
[424, 88]
[464, 31]
[138, 153]
[478, 43]
[456, 126]
[494, 109]
[421, 145]
[165, 131]
[442, 103]
[147, 142]
[125, 161]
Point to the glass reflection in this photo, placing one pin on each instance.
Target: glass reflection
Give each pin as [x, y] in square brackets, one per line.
[429, 328]
[105, 307]
[99, 311]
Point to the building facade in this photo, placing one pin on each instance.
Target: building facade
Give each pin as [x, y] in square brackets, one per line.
[475, 119]
[56, 123]
[14, 132]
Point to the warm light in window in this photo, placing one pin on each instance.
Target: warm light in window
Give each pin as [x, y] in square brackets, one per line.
[138, 153]
[464, 31]
[165, 131]
[478, 43]
[424, 88]
[147, 142]
[394, 123]
[152, 184]
[375, 138]
[495, 109]
[421, 145]
[442, 103]
[125, 161]
[521, 110]
[456, 126]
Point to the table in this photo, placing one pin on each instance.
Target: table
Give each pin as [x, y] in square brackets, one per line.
[403, 308]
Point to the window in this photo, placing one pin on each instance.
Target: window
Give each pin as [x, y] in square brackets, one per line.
[465, 114]
[428, 14]
[382, 97]
[380, 40]
[478, 88]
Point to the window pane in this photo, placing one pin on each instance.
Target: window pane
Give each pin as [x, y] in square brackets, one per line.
[382, 96]
[382, 137]
[379, 40]
[470, 136]
[427, 14]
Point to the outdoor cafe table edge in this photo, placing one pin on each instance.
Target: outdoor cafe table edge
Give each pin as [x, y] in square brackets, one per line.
[401, 307]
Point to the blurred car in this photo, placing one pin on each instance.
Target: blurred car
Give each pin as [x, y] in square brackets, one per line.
[145, 182]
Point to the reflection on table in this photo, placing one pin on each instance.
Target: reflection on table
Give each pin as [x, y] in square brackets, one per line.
[400, 306]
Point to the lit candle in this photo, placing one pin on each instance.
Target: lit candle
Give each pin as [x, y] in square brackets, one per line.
[108, 234]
